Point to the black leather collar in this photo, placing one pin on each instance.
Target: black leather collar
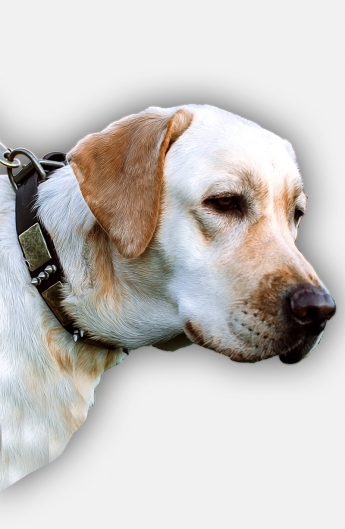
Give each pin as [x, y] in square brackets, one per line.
[39, 251]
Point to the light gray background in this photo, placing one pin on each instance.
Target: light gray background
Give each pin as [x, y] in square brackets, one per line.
[190, 439]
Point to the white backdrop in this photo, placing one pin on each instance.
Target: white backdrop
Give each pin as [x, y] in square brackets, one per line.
[190, 439]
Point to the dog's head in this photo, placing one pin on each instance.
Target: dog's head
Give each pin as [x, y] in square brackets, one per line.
[215, 200]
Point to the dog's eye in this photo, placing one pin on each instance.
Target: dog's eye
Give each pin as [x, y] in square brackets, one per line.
[298, 214]
[225, 203]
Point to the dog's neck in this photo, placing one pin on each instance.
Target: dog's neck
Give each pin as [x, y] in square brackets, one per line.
[47, 381]
[106, 294]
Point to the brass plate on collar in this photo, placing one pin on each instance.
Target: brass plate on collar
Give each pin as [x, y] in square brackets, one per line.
[34, 247]
[53, 297]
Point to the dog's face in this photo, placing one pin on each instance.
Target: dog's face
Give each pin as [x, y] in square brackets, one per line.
[232, 205]
[223, 216]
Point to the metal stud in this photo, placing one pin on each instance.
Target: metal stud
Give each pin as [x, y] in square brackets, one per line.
[76, 336]
[43, 276]
[50, 269]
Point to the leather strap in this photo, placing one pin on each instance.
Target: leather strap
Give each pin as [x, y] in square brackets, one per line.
[26, 218]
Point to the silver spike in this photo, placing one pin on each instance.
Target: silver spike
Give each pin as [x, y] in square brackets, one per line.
[50, 269]
[76, 336]
[81, 332]
[43, 276]
[36, 281]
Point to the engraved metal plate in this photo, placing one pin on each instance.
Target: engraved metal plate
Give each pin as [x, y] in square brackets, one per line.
[53, 297]
[34, 247]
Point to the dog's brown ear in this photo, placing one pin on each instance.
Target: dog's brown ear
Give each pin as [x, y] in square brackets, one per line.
[120, 173]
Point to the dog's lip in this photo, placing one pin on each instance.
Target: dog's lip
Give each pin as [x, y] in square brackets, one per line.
[292, 357]
[300, 350]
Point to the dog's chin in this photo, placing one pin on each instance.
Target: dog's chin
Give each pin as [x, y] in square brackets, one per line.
[301, 350]
[293, 354]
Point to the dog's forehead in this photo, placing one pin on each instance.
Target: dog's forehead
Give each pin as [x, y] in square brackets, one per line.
[222, 147]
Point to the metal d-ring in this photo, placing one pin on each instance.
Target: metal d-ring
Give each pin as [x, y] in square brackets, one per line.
[4, 152]
[35, 162]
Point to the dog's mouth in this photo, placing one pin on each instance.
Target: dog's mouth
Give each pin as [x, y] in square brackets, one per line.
[300, 350]
[292, 353]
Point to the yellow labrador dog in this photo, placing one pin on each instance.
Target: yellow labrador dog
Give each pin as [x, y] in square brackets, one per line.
[168, 222]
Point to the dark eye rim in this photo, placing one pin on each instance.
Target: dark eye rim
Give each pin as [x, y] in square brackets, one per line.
[226, 204]
[298, 214]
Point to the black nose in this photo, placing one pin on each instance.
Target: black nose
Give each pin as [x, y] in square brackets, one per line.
[311, 306]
